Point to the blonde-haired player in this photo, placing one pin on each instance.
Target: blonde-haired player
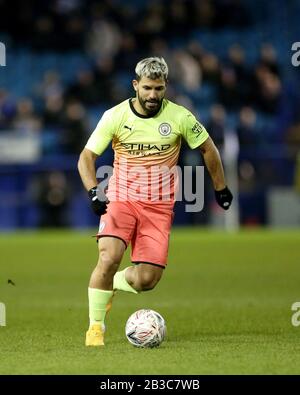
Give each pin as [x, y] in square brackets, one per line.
[146, 134]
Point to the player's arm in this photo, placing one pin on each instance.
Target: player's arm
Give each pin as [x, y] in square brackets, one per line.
[86, 168]
[87, 171]
[213, 163]
[97, 143]
[214, 166]
[196, 136]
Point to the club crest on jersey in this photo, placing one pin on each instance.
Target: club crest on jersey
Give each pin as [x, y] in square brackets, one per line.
[164, 129]
[101, 226]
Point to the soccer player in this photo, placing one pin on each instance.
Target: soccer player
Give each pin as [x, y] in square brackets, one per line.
[146, 134]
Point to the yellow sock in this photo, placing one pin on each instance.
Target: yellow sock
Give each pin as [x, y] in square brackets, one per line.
[98, 300]
[120, 283]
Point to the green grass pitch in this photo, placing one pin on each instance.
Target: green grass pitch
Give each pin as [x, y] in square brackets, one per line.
[226, 299]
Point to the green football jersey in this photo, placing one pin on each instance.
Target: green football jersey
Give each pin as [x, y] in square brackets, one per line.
[144, 144]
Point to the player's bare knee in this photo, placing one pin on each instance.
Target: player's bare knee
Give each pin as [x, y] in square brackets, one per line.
[147, 281]
[109, 259]
[146, 277]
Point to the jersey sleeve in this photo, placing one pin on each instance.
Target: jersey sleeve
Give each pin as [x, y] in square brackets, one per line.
[102, 135]
[192, 130]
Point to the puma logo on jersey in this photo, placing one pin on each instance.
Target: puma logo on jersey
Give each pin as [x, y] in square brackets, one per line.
[127, 127]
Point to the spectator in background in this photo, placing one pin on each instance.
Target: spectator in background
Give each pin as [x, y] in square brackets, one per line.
[51, 85]
[237, 61]
[63, 7]
[229, 93]
[178, 18]
[203, 13]
[103, 74]
[85, 89]
[128, 54]
[74, 31]
[216, 125]
[210, 68]
[267, 90]
[195, 49]
[26, 119]
[151, 24]
[236, 57]
[293, 138]
[104, 37]
[161, 48]
[231, 13]
[74, 127]
[44, 34]
[53, 199]
[268, 58]
[7, 110]
[247, 131]
[249, 141]
[186, 71]
[248, 177]
[53, 111]
[271, 91]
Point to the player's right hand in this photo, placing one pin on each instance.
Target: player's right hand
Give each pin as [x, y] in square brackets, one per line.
[98, 200]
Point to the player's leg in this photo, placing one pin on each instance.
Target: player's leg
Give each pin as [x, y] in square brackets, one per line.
[115, 231]
[111, 250]
[100, 290]
[121, 283]
[143, 276]
[149, 250]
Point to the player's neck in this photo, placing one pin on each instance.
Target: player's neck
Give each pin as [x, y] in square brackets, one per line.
[138, 108]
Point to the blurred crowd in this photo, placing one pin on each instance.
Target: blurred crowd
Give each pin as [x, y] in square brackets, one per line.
[63, 25]
[236, 88]
[114, 35]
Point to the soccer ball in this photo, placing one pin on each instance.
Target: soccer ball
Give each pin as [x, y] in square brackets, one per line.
[145, 328]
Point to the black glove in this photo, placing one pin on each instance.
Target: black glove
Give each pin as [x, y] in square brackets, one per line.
[99, 200]
[224, 198]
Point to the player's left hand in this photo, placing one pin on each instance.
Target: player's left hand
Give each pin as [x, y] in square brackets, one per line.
[224, 198]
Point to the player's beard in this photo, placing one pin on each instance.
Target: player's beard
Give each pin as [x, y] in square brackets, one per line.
[148, 110]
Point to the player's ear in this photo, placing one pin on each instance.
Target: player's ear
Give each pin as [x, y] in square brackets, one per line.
[135, 85]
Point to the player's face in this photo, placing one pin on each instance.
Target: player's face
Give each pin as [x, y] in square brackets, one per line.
[150, 94]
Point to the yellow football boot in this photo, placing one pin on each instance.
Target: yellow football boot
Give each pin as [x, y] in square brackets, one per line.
[95, 335]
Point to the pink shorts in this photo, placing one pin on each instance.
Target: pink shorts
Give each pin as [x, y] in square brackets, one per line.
[145, 225]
